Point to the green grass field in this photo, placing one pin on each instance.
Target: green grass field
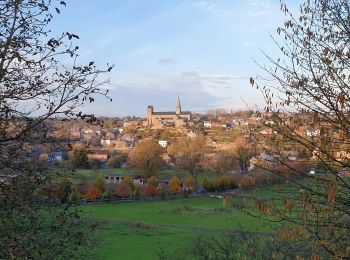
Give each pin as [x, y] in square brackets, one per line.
[139, 229]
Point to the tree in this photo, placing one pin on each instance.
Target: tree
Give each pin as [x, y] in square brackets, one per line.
[128, 181]
[117, 160]
[206, 184]
[94, 163]
[224, 162]
[243, 158]
[150, 191]
[311, 78]
[35, 87]
[94, 193]
[190, 183]
[189, 153]
[174, 185]
[147, 157]
[78, 156]
[100, 183]
[152, 181]
[124, 190]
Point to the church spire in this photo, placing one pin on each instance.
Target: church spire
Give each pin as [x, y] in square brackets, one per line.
[178, 106]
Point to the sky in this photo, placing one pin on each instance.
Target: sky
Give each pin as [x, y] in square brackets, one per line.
[205, 51]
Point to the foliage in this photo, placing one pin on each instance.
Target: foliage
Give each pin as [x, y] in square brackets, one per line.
[190, 183]
[79, 156]
[150, 191]
[189, 153]
[206, 184]
[36, 87]
[100, 183]
[128, 181]
[243, 158]
[147, 157]
[124, 190]
[94, 193]
[94, 163]
[311, 79]
[117, 160]
[152, 181]
[223, 162]
[175, 185]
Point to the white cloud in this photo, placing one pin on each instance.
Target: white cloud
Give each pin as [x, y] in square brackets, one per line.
[223, 90]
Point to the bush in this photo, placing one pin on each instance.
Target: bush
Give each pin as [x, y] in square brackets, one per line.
[137, 193]
[190, 184]
[152, 181]
[124, 190]
[150, 191]
[174, 185]
[100, 183]
[207, 185]
[95, 164]
[247, 181]
[128, 181]
[94, 193]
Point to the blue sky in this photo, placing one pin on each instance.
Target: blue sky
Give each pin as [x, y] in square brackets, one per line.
[204, 51]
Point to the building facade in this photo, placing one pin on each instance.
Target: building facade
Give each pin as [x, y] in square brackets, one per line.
[159, 119]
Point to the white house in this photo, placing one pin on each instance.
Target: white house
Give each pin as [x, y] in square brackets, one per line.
[207, 124]
[164, 143]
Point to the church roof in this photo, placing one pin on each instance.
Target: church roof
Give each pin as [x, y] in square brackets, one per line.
[171, 113]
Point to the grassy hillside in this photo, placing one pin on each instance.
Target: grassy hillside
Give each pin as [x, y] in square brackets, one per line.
[139, 229]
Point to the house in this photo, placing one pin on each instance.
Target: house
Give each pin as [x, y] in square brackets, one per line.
[55, 157]
[192, 134]
[101, 155]
[118, 178]
[207, 124]
[76, 134]
[312, 131]
[108, 141]
[164, 143]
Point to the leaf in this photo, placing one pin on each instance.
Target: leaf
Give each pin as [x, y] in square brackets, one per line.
[57, 10]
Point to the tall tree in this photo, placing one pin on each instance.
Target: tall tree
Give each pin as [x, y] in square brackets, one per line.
[147, 157]
[189, 153]
[36, 86]
[311, 80]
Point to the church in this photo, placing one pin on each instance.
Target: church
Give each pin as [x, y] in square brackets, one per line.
[160, 119]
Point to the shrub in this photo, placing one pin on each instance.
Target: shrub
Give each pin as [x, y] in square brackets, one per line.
[75, 195]
[152, 181]
[124, 190]
[225, 182]
[190, 183]
[100, 183]
[95, 164]
[150, 191]
[247, 181]
[207, 185]
[137, 193]
[174, 185]
[128, 181]
[94, 193]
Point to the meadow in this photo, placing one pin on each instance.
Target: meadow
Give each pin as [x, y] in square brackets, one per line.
[142, 229]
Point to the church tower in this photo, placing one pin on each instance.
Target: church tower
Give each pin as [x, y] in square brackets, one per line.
[178, 106]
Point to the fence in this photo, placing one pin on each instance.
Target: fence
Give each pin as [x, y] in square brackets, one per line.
[157, 198]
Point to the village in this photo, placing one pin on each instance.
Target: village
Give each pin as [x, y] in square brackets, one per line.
[214, 151]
